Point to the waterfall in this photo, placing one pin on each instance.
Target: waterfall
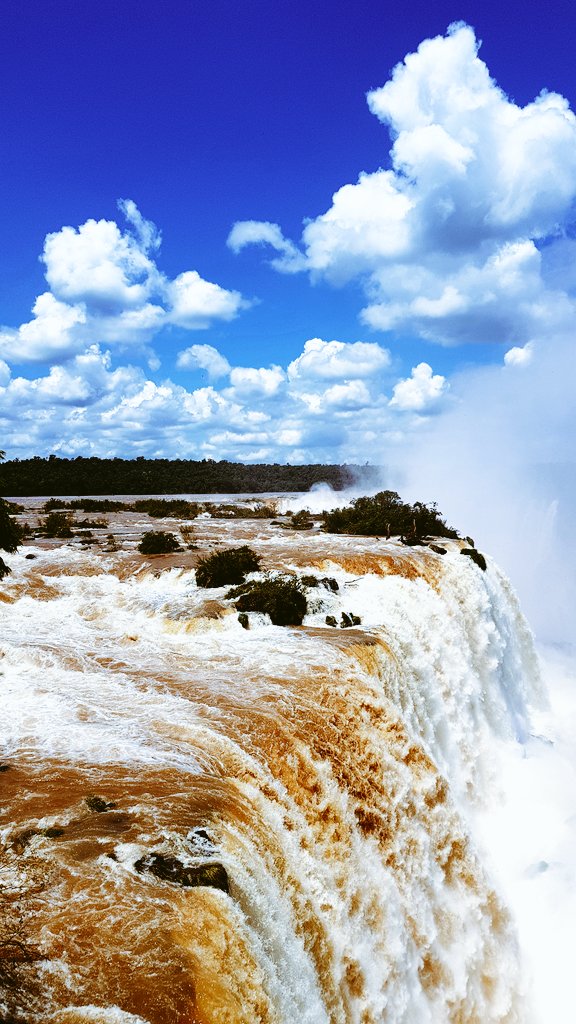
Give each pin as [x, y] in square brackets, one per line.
[337, 775]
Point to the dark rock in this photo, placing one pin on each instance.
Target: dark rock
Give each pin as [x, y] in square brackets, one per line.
[244, 620]
[111, 856]
[97, 803]
[476, 557]
[325, 581]
[200, 833]
[21, 840]
[5, 570]
[53, 833]
[470, 542]
[331, 621]
[330, 583]
[4, 767]
[170, 869]
[30, 556]
[439, 550]
[349, 619]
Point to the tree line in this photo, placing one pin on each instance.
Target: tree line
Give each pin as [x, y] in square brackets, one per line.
[53, 475]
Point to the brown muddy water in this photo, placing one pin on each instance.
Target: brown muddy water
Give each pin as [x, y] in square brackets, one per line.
[281, 831]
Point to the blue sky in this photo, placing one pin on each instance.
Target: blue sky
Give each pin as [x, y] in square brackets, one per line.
[149, 328]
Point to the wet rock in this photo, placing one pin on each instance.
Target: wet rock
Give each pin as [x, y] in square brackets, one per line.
[476, 557]
[170, 869]
[331, 621]
[30, 556]
[438, 549]
[325, 581]
[348, 619]
[244, 620]
[470, 542]
[5, 570]
[99, 804]
[4, 767]
[21, 840]
[201, 834]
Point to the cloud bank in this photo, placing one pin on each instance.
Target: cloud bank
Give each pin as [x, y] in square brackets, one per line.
[266, 413]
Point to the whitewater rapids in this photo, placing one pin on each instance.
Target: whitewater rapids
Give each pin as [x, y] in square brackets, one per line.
[338, 775]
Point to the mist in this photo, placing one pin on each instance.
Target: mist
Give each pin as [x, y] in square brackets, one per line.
[500, 463]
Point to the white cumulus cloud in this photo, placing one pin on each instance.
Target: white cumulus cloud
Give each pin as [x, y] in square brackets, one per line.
[194, 302]
[252, 381]
[334, 360]
[519, 356]
[420, 391]
[106, 288]
[446, 241]
[204, 357]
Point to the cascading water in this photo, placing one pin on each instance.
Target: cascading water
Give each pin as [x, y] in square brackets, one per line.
[335, 774]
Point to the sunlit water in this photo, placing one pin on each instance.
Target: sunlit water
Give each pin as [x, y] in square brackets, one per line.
[387, 800]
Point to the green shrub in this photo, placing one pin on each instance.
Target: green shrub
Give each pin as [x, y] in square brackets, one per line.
[280, 597]
[385, 515]
[57, 524]
[160, 508]
[229, 566]
[157, 542]
[98, 505]
[301, 520]
[54, 503]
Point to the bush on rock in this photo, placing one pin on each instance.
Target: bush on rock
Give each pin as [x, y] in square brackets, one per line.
[224, 567]
[157, 542]
[280, 597]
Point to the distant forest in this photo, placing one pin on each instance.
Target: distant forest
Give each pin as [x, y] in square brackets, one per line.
[44, 477]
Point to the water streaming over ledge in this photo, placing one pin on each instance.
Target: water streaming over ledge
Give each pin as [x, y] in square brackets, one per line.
[334, 773]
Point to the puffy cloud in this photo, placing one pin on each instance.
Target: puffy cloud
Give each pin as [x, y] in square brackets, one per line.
[204, 357]
[106, 288]
[334, 360]
[446, 242]
[352, 395]
[420, 391]
[55, 331]
[255, 232]
[194, 303]
[519, 356]
[250, 381]
[98, 265]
